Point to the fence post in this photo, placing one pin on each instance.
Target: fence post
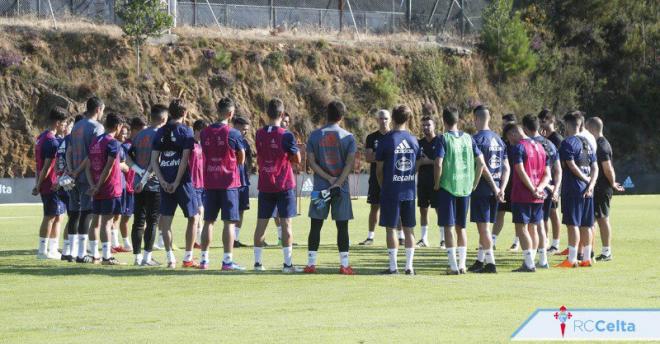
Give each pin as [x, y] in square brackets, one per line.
[227, 15]
[71, 7]
[18, 8]
[320, 19]
[38, 8]
[194, 4]
[272, 14]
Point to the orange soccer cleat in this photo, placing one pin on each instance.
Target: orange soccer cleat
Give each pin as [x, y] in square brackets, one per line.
[566, 264]
[346, 270]
[310, 269]
[585, 264]
[190, 264]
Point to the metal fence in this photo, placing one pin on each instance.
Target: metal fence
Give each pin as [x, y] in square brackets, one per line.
[377, 16]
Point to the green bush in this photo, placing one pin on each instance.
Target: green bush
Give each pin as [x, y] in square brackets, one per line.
[275, 60]
[427, 73]
[222, 58]
[383, 89]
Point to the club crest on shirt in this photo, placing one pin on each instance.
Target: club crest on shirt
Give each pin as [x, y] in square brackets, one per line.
[404, 164]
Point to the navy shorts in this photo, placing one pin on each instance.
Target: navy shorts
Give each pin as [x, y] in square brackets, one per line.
[548, 204]
[79, 200]
[184, 197]
[426, 196]
[225, 200]
[285, 202]
[527, 212]
[243, 198]
[393, 211]
[53, 204]
[111, 206]
[577, 211]
[128, 203]
[200, 195]
[452, 210]
[64, 197]
[483, 209]
[373, 195]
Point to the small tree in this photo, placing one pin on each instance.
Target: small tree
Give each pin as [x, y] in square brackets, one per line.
[142, 19]
[505, 39]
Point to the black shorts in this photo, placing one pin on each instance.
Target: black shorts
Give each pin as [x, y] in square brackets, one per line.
[602, 204]
[373, 197]
[426, 197]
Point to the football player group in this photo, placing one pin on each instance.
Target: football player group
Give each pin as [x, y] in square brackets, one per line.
[101, 175]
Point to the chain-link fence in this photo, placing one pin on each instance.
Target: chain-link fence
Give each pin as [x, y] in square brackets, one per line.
[376, 16]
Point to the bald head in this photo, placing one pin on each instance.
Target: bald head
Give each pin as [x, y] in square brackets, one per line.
[595, 126]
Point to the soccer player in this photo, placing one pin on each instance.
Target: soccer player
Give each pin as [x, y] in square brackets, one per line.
[490, 190]
[548, 120]
[172, 147]
[103, 172]
[243, 125]
[223, 153]
[605, 185]
[531, 175]
[580, 172]
[69, 236]
[331, 153]
[80, 202]
[373, 198]
[505, 206]
[127, 197]
[457, 170]
[531, 125]
[197, 176]
[45, 152]
[425, 195]
[276, 151]
[396, 158]
[147, 188]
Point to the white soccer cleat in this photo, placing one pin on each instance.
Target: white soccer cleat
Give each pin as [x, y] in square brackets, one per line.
[54, 255]
[42, 256]
[290, 269]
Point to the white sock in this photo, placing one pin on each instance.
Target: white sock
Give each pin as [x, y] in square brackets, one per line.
[53, 243]
[516, 241]
[425, 234]
[170, 256]
[529, 259]
[94, 247]
[451, 257]
[198, 236]
[606, 251]
[572, 254]
[127, 243]
[106, 250]
[279, 232]
[138, 258]
[114, 235]
[489, 256]
[66, 248]
[287, 252]
[392, 252]
[494, 237]
[257, 254]
[82, 245]
[146, 257]
[481, 254]
[370, 235]
[205, 257]
[237, 231]
[555, 243]
[227, 258]
[401, 235]
[188, 256]
[586, 253]
[43, 245]
[410, 255]
[311, 258]
[73, 243]
[462, 257]
[543, 257]
[343, 259]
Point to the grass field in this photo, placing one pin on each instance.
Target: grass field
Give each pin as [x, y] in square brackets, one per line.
[56, 302]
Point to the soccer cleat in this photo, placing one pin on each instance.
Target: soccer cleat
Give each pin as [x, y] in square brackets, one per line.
[238, 244]
[544, 266]
[524, 268]
[111, 261]
[231, 266]
[461, 271]
[54, 255]
[564, 252]
[402, 242]
[389, 272]
[566, 264]
[311, 269]
[487, 269]
[452, 272]
[422, 243]
[42, 256]
[259, 267]
[150, 263]
[171, 265]
[289, 269]
[367, 242]
[552, 251]
[346, 271]
[190, 264]
[84, 260]
[197, 246]
[119, 249]
[442, 245]
[476, 266]
[137, 262]
[580, 257]
[604, 258]
[410, 272]
[66, 258]
[203, 265]
[513, 248]
[585, 264]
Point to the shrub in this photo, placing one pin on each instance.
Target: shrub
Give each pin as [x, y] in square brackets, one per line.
[274, 60]
[9, 58]
[428, 73]
[383, 89]
[220, 58]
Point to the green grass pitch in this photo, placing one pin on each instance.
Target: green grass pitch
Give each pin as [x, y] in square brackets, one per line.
[57, 302]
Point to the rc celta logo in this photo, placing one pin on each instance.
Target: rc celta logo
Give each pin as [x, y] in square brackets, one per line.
[590, 324]
[563, 315]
